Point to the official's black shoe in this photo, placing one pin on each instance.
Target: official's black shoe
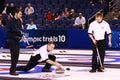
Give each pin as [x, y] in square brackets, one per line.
[14, 73]
[46, 70]
[100, 70]
[92, 71]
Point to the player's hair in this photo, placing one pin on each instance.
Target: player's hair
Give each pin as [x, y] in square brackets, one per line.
[99, 14]
[51, 43]
[17, 10]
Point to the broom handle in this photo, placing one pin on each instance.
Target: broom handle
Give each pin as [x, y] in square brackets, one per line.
[25, 39]
[99, 56]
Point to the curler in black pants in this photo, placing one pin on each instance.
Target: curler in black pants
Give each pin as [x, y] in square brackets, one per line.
[34, 61]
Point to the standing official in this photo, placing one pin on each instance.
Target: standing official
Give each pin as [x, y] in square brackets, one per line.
[43, 54]
[14, 32]
[97, 31]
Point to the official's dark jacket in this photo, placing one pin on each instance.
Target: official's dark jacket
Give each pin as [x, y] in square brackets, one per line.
[14, 29]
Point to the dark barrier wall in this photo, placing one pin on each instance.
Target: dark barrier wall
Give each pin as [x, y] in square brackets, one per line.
[3, 38]
[116, 39]
[68, 39]
[78, 39]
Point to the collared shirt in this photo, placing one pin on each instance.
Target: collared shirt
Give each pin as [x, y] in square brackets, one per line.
[43, 53]
[79, 21]
[29, 11]
[99, 29]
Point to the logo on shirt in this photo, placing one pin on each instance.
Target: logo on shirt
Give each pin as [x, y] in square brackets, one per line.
[102, 27]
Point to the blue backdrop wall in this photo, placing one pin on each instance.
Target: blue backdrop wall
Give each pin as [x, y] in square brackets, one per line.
[68, 39]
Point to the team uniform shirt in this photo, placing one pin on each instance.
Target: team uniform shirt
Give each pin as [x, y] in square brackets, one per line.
[43, 53]
[99, 29]
[79, 21]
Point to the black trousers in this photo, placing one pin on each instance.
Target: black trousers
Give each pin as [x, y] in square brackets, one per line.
[14, 50]
[101, 44]
[34, 61]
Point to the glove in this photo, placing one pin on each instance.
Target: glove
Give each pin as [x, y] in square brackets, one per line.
[17, 38]
[21, 33]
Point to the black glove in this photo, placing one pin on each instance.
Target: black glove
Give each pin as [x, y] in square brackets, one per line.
[17, 37]
[20, 33]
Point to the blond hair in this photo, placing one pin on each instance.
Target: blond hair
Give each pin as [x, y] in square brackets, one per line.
[99, 14]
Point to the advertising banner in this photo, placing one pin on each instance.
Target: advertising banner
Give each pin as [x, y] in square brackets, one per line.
[40, 37]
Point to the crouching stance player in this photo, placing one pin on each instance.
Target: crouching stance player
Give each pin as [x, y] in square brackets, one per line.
[43, 54]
